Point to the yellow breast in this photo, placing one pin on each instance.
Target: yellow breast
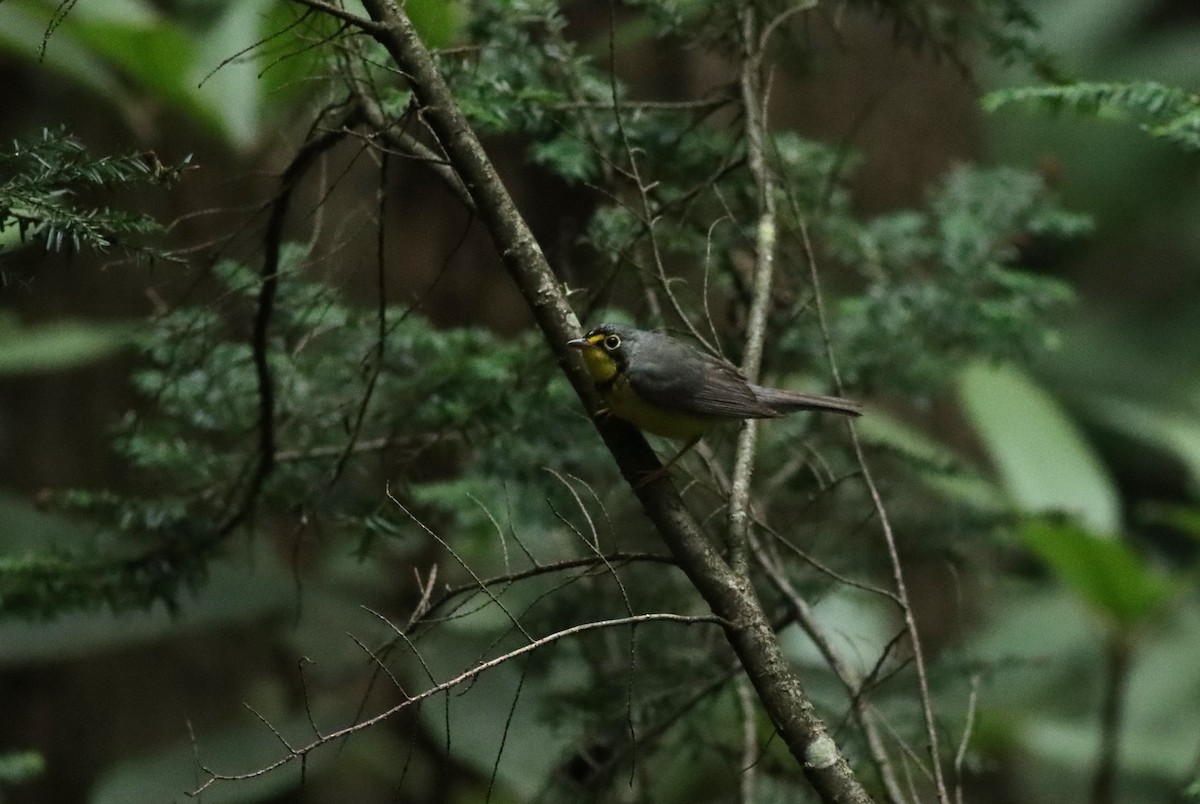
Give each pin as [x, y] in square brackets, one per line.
[622, 401]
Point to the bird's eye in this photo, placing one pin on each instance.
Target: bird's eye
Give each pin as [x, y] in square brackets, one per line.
[612, 343]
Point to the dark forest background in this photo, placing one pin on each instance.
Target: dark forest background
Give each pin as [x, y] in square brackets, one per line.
[1037, 444]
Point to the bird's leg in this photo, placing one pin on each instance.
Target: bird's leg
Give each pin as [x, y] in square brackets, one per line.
[655, 474]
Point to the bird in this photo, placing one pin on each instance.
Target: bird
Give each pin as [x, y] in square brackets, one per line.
[670, 388]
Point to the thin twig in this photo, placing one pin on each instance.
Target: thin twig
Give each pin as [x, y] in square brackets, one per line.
[463, 563]
[336, 11]
[467, 675]
[747, 711]
[960, 756]
[885, 524]
[609, 561]
[851, 680]
[379, 349]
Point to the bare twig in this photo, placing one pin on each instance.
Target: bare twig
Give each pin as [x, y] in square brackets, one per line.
[850, 679]
[379, 349]
[446, 545]
[471, 673]
[745, 697]
[889, 538]
[422, 608]
[960, 756]
[336, 11]
[609, 561]
[754, 105]
[407, 145]
[649, 217]
[317, 144]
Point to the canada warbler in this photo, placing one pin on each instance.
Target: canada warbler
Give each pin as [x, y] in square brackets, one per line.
[672, 389]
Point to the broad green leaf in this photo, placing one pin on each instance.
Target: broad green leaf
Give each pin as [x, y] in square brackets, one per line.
[155, 53]
[1046, 669]
[226, 63]
[23, 30]
[1104, 572]
[1041, 457]
[61, 345]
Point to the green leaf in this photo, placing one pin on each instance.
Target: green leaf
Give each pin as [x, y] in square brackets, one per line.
[23, 32]
[231, 88]
[152, 52]
[57, 346]
[1041, 457]
[1104, 572]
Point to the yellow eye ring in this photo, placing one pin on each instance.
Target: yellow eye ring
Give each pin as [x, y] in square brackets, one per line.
[612, 343]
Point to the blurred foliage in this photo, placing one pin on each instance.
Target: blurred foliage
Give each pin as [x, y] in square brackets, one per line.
[16, 767]
[400, 446]
[946, 284]
[1169, 113]
[1104, 572]
[455, 397]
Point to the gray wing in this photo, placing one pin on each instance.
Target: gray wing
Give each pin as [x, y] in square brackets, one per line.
[680, 377]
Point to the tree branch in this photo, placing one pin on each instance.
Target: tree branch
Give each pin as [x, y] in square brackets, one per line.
[889, 538]
[730, 597]
[754, 104]
[294, 753]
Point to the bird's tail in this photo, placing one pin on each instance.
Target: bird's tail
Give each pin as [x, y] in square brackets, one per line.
[785, 401]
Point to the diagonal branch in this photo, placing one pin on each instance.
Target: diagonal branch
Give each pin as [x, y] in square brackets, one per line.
[730, 596]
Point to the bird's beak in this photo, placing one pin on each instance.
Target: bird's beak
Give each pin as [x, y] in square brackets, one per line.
[579, 343]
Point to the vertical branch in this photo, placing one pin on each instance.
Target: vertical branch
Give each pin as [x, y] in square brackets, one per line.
[316, 145]
[745, 697]
[377, 354]
[1116, 667]
[850, 679]
[960, 756]
[754, 104]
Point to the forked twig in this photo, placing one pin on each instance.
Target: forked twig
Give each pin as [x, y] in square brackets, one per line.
[294, 753]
